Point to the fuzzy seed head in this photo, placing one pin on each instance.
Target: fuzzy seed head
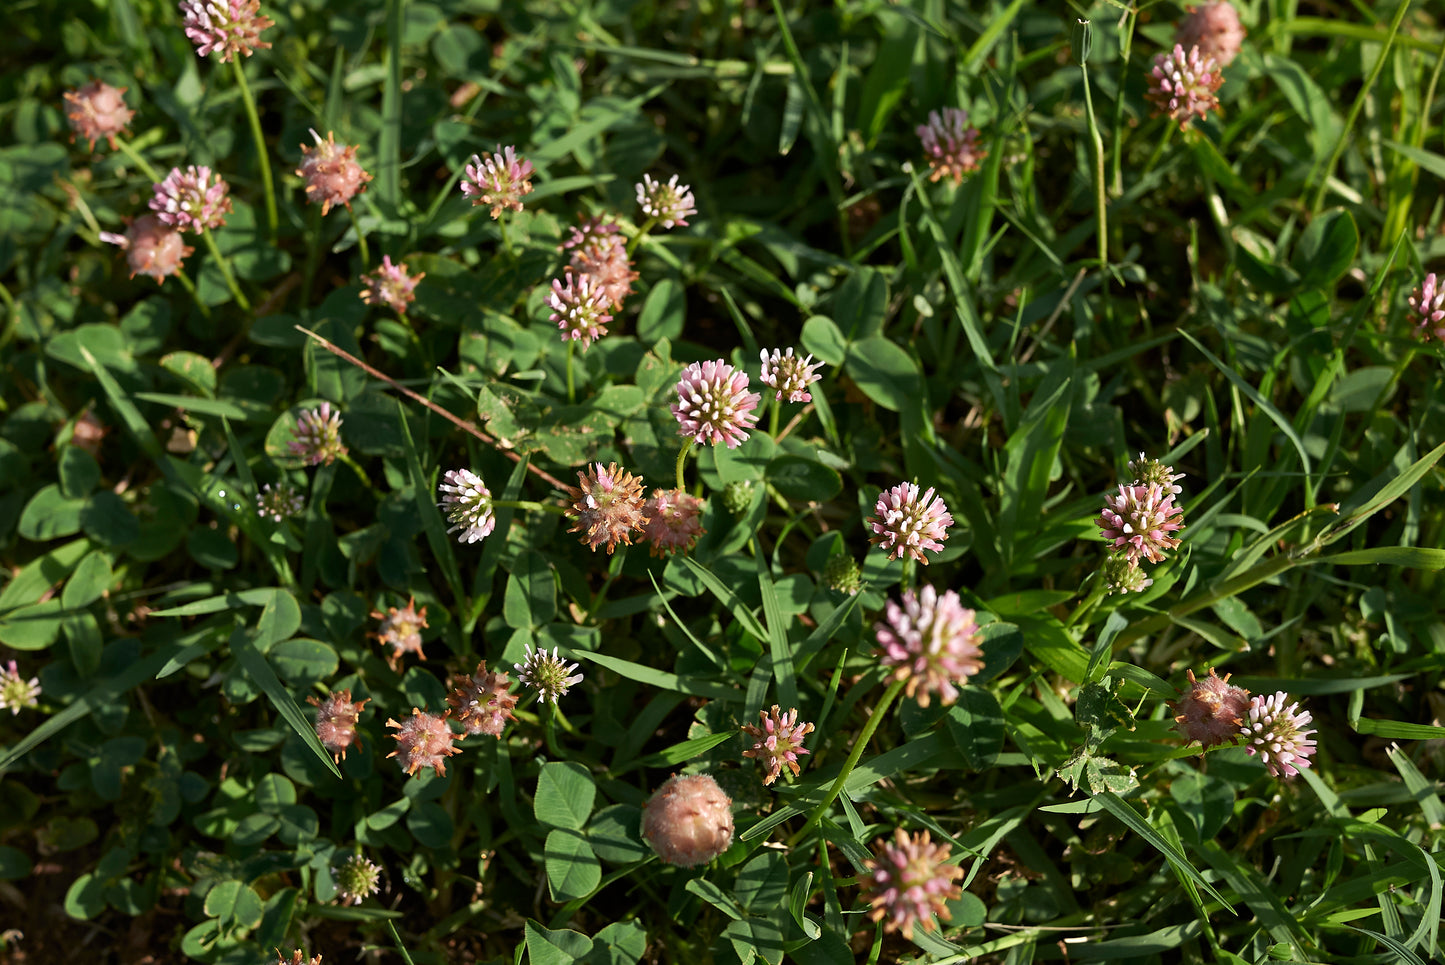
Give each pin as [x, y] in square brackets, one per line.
[97, 110]
[951, 145]
[778, 742]
[190, 201]
[1183, 84]
[280, 502]
[714, 404]
[356, 880]
[401, 630]
[1211, 711]
[1215, 29]
[579, 307]
[500, 180]
[607, 506]
[424, 740]
[468, 505]
[1427, 304]
[689, 820]
[332, 173]
[902, 523]
[908, 882]
[1278, 734]
[673, 521]
[481, 702]
[737, 496]
[1139, 520]
[226, 27]
[336, 719]
[932, 642]
[17, 692]
[789, 374]
[151, 247]
[318, 436]
[548, 673]
[390, 285]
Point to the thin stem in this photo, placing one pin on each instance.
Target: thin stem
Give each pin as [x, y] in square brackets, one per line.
[136, 159]
[859, 745]
[313, 255]
[360, 473]
[1159, 148]
[360, 237]
[225, 268]
[1131, 18]
[773, 417]
[637, 238]
[261, 155]
[571, 391]
[506, 239]
[681, 460]
[1100, 188]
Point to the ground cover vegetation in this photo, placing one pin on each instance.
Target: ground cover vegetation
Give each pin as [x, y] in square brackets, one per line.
[721, 482]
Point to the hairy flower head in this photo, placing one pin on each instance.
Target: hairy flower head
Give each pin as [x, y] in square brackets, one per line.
[151, 247]
[97, 110]
[468, 505]
[951, 145]
[1278, 734]
[500, 180]
[778, 742]
[908, 882]
[481, 702]
[332, 174]
[903, 523]
[424, 740]
[1182, 84]
[226, 27]
[930, 641]
[1214, 28]
[390, 285]
[336, 719]
[673, 521]
[1212, 710]
[190, 201]
[689, 820]
[401, 630]
[607, 506]
[714, 404]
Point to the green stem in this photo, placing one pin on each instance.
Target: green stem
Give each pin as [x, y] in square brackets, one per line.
[637, 238]
[360, 473]
[571, 391]
[225, 268]
[137, 160]
[313, 255]
[506, 239]
[262, 157]
[1118, 145]
[360, 238]
[774, 417]
[859, 745]
[1159, 148]
[681, 460]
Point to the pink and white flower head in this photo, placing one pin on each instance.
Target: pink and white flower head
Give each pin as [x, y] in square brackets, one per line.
[607, 506]
[1212, 710]
[356, 879]
[336, 719]
[226, 27]
[1214, 28]
[390, 285]
[1139, 521]
[280, 502]
[318, 436]
[673, 523]
[1428, 305]
[599, 252]
[401, 630]
[689, 820]
[468, 505]
[1278, 734]
[579, 307]
[500, 180]
[190, 201]
[902, 523]
[424, 740]
[97, 110]
[778, 742]
[1183, 84]
[17, 692]
[931, 642]
[1145, 471]
[789, 374]
[667, 203]
[151, 247]
[551, 675]
[951, 145]
[908, 882]
[333, 176]
[481, 702]
[714, 404]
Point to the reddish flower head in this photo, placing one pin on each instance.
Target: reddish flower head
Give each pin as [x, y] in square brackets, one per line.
[226, 27]
[481, 702]
[607, 506]
[1139, 520]
[908, 882]
[789, 374]
[1215, 29]
[951, 145]
[689, 821]
[151, 248]
[190, 201]
[1427, 303]
[500, 180]
[579, 307]
[390, 285]
[1183, 84]
[336, 718]
[778, 742]
[424, 740]
[599, 252]
[1212, 710]
[1278, 734]
[97, 110]
[318, 436]
[714, 404]
[932, 642]
[332, 173]
[401, 630]
[904, 523]
[672, 524]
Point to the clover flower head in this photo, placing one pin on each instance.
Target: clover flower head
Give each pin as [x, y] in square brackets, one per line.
[1212, 710]
[842, 574]
[97, 110]
[1183, 84]
[689, 820]
[1139, 520]
[227, 27]
[280, 502]
[789, 374]
[356, 879]
[336, 719]
[468, 505]
[1214, 28]
[673, 523]
[1278, 734]
[714, 404]
[481, 702]
[190, 201]
[908, 882]
[778, 742]
[1145, 471]
[599, 252]
[500, 180]
[931, 642]
[151, 247]
[332, 173]
[390, 285]
[17, 692]
[579, 307]
[548, 672]
[298, 957]
[669, 203]
[902, 523]
[318, 436]
[1428, 304]
[607, 506]
[424, 740]
[1123, 574]
[951, 145]
[401, 630]
[592, 235]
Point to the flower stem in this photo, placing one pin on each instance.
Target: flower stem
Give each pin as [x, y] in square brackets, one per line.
[773, 417]
[506, 239]
[859, 745]
[1159, 148]
[225, 268]
[360, 238]
[637, 238]
[136, 159]
[262, 156]
[360, 473]
[313, 255]
[681, 461]
[571, 391]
